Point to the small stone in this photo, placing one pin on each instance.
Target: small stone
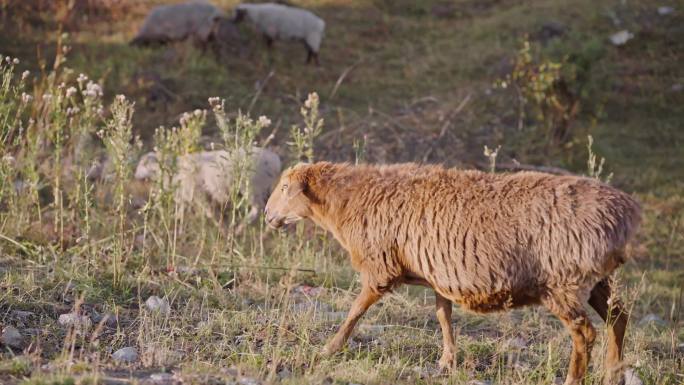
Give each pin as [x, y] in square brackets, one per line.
[652, 319]
[248, 381]
[311, 291]
[558, 381]
[677, 87]
[23, 315]
[284, 373]
[315, 306]
[12, 337]
[479, 382]
[665, 10]
[443, 10]
[127, 354]
[372, 329]
[334, 316]
[159, 305]
[75, 320]
[680, 347]
[108, 319]
[516, 343]
[631, 378]
[162, 378]
[621, 38]
[550, 30]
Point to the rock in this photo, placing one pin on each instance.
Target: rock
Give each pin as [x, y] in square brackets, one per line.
[680, 347]
[621, 38]
[248, 381]
[12, 337]
[311, 291]
[443, 10]
[665, 10]
[558, 381]
[127, 354]
[108, 319]
[284, 373]
[334, 316]
[516, 343]
[23, 315]
[33, 331]
[631, 378]
[479, 382]
[158, 305]
[677, 87]
[75, 320]
[162, 378]
[372, 329]
[652, 319]
[550, 30]
[315, 306]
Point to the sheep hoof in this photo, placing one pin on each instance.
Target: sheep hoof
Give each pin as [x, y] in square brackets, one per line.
[446, 363]
[330, 348]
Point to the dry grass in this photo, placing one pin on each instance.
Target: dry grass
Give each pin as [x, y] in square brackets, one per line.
[258, 305]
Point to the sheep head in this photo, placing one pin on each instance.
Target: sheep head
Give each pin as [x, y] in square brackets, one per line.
[148, 167]
[240, 13]
[289, 202]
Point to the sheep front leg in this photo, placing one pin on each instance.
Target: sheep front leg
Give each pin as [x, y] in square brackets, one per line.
[366, 298]
[443, 306]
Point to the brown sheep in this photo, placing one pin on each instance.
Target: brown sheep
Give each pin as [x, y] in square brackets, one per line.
[485, 241]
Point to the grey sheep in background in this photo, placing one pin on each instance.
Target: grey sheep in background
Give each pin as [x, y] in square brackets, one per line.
[208, 175]
[199, 21]
[283, 22]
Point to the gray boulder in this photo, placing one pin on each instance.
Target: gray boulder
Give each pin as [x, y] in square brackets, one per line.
[127, 354]
[12, 337]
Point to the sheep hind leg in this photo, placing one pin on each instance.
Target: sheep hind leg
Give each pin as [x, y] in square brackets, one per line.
[443, 307]
[570, 311]
[366, 298]
[616, 319]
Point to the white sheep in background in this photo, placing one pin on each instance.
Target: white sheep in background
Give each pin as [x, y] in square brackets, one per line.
[277, 21]
[208, 176]
[199, 21]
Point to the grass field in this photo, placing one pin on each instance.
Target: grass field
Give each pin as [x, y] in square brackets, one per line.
[431, 81]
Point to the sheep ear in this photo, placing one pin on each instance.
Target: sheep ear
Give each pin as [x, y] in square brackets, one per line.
[295, 189]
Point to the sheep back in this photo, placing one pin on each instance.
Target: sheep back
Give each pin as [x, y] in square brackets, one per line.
[212, 172]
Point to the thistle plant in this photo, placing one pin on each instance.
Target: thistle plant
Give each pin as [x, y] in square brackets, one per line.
[117, 137]
[13, 102]
[239, 138]
[491, 155]
[595, 164]
[302, 140]
[190, 130]
[360, 149]
[544, 92]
